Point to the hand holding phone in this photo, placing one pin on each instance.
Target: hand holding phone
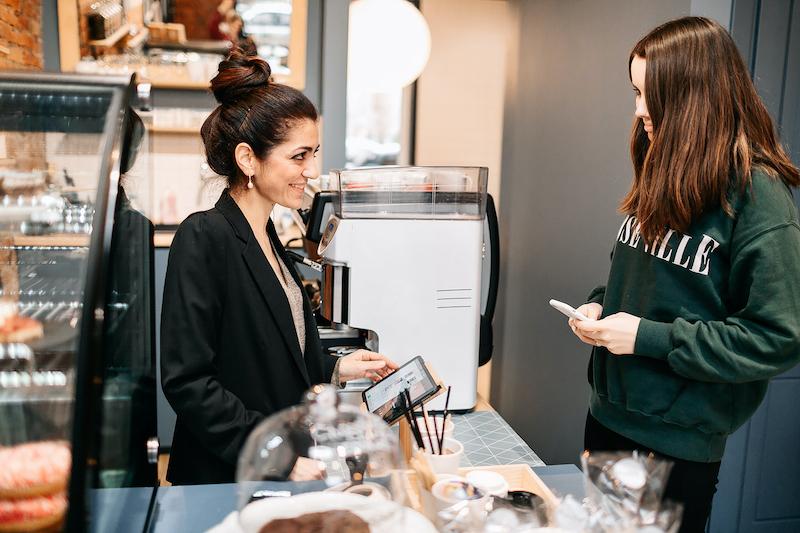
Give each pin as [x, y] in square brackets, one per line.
[568, 310]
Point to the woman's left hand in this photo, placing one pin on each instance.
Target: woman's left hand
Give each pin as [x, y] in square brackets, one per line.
[365, 364]
[616, 332]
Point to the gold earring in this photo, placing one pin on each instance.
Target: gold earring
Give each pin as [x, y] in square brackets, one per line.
[250, 182]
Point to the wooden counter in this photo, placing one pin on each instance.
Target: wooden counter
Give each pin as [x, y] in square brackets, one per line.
[52, 240]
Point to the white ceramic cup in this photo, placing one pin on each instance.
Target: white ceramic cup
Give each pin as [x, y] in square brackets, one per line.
[448, 462]
[370, 490]
[443, 499]
[431, 505]
[489, 482]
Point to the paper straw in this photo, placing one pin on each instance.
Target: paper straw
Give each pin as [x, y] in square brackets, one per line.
[428, 430]
[444, 419]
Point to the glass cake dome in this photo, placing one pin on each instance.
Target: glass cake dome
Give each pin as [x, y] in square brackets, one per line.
[323, 463]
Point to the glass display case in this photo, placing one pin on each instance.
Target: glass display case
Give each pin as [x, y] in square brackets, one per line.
[77, 376]
[411, 192]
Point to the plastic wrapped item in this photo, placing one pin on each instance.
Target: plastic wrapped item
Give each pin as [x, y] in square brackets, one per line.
[463, 517]
[324, 462]
[520, 512]
[512, 519]
[571, 515]
[529, 509]
[624, 492]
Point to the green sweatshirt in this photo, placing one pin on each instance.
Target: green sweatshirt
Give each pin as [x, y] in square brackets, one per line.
[720, 308]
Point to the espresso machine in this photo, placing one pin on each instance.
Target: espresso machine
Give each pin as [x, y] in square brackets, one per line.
[410, 261]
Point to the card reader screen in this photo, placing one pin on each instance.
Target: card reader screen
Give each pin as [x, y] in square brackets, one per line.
[383, 397]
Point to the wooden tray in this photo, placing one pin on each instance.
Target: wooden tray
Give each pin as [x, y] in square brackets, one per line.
[518, 476]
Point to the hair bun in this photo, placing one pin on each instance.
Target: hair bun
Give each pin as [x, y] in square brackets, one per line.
[240, 73]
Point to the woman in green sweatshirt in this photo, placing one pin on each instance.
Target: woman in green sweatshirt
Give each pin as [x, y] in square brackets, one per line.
[702, 304]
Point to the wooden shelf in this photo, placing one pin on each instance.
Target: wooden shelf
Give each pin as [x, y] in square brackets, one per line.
[184, 84]
[174, 131]
[57, 239]
[163, 239]
[113, 39]
[180, 84]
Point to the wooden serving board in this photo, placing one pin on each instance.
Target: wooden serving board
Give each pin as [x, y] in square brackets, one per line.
[518, 476]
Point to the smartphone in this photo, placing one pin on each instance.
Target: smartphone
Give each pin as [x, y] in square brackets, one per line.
[383, 398]
[568, 310]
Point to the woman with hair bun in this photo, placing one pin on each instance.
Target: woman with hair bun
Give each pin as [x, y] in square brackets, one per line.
[238, 338]
[702, 304]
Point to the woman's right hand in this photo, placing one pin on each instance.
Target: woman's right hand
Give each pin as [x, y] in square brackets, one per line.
[592, 311]
[305, 469]
[365, 364]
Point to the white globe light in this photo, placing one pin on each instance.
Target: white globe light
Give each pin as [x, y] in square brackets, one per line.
[388, 45]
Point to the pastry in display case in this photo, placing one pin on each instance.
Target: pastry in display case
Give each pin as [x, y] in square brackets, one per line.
[77, 376]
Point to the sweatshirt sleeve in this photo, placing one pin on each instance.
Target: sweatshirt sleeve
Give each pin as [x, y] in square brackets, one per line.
[597, 295]
[759, 340]
[190, 333]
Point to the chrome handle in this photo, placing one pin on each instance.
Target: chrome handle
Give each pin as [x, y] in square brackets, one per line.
[153, 445]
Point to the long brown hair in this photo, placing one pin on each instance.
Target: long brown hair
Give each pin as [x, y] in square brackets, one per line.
[710, 128]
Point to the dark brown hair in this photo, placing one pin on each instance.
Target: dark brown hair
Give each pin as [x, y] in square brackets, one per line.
[710, 129]
[252, 110]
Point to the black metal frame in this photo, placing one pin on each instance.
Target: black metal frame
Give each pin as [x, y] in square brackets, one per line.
[89, 369]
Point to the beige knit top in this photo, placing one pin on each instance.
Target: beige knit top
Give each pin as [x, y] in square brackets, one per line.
[295, 297]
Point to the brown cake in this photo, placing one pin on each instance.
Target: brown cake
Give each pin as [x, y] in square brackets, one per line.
[323, 522]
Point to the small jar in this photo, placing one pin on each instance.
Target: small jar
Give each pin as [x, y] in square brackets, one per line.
[489, 482]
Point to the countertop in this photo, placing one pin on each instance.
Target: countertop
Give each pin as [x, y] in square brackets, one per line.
[487, 439]
[194, 508]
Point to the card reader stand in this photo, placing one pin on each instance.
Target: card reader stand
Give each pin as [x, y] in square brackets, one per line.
[406, 437]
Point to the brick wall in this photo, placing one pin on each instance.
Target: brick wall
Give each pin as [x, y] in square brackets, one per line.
[21, 48]
[194, 14]
[21, 34]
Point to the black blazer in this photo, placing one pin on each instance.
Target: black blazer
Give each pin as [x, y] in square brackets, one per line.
[229, 350]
